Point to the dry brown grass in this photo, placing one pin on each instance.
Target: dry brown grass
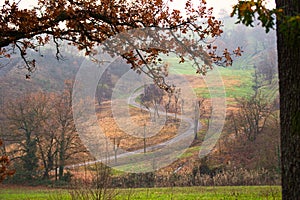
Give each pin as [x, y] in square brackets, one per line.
[133, 140]
[200, 82]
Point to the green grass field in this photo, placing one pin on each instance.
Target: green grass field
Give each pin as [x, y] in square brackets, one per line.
[237, 82]
[186, 193]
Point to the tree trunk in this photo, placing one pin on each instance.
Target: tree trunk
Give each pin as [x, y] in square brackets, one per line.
[61, 156]
[61, 166]
[288, 46]
[61, 171]
[196, 119]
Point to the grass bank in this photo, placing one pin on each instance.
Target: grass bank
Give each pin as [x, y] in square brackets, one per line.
[186, 193]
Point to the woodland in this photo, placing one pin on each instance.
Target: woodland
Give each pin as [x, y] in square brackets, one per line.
[43, 49]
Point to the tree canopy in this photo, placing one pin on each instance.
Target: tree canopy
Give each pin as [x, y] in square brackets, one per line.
[87, 24]
[249, 12]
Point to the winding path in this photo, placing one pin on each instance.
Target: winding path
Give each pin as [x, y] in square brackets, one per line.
[131, 101]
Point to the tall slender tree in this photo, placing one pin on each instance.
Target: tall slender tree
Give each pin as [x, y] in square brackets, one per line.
[67, 139]
[288, 48]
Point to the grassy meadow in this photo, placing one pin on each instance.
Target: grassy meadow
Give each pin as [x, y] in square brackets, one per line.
[237, 82]
[186, 193]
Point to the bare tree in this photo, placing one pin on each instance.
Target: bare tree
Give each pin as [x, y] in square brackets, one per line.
[267, 67]
[47, 151]
[176, 94]
[97, 187]
[67, 139]
[104, 88]
[152, 97]
[167, 105]
[43, 129]
[196, 119]
[198, 110]
[25, 117]
[116, 141]
[252, 116]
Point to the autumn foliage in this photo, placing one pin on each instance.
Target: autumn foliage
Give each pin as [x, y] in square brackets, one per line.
[88, 24]
[4, 164]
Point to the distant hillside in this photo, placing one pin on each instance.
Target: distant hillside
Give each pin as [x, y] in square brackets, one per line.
[49, 76]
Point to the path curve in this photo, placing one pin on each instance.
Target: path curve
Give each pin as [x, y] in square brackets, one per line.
[131, 101]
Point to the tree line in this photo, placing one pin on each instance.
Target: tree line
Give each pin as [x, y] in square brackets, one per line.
[92, 22]
[40, 134]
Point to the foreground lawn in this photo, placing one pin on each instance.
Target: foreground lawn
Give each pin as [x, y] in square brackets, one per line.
[217, 193]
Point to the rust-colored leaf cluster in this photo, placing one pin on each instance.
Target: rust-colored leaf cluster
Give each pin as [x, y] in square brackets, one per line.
[226, 58]
[4, 166]
[88, 24]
